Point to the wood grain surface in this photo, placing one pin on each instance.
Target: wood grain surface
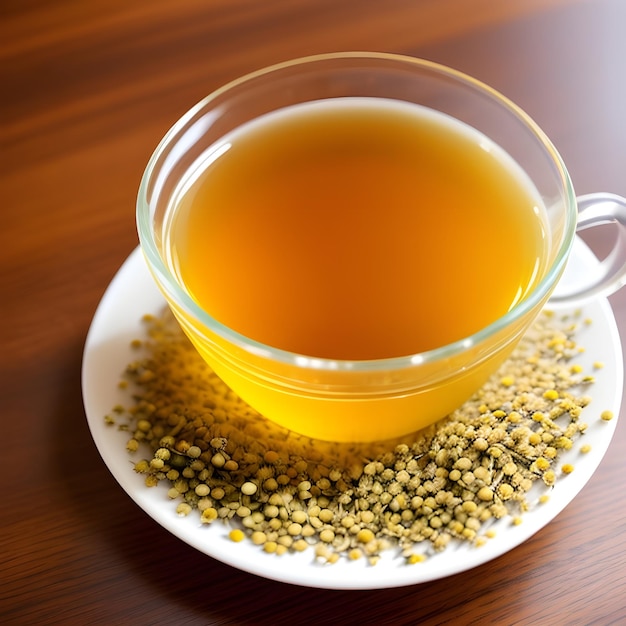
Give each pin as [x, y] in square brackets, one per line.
[88, 89]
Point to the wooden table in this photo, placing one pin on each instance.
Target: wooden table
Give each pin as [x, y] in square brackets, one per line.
[88, 89]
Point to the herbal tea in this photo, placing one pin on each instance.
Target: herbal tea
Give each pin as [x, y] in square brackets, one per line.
[356, 229]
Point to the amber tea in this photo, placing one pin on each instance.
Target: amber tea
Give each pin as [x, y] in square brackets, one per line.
[356, 229]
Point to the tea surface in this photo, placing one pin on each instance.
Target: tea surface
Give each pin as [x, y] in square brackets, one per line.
[357, 229]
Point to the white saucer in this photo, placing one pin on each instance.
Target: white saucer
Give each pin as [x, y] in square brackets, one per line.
[132, 293]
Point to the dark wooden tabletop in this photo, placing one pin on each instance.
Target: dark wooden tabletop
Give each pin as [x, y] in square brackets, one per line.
[88, 89]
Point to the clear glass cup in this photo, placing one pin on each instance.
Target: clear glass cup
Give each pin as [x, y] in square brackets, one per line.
[369, 400]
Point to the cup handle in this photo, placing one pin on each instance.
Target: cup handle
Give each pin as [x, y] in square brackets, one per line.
[593, 210]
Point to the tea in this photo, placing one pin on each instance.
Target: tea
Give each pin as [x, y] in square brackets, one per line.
[356, 228]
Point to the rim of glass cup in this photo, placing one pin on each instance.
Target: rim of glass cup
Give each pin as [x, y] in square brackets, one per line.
[145, 212]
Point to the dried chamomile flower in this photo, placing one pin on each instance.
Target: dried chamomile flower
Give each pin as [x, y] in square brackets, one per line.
[419, 493]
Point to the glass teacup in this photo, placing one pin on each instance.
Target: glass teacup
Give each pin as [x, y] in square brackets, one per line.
[369, 399]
